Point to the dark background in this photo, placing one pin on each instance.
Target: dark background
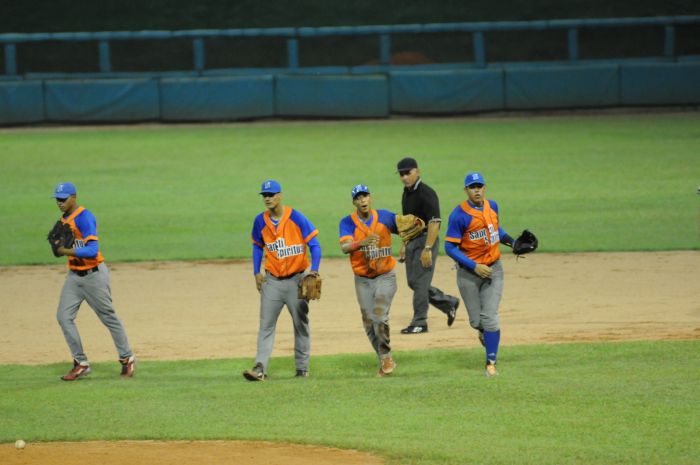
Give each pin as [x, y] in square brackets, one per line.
[156, 55]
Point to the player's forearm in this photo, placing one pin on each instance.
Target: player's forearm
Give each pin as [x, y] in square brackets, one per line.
[506, 239]
[257, 258]
[90, 250]
[453, 251]
[349, 246]
[315, 248]
[433, 231]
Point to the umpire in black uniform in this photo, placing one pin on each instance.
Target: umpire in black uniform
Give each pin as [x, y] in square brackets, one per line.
[420, 253]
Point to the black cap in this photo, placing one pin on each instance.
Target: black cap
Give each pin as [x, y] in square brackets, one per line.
[406, 164]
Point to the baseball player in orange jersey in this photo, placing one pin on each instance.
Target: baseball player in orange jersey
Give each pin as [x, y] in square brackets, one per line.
[366, 236]
[472, 239]
[282, 234]
[88, 280]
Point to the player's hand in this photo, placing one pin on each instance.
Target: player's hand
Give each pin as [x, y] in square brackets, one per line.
[64, 251]
[426, 258]
[371, 240]
[483, 271]
[259, 280]
[402, 253]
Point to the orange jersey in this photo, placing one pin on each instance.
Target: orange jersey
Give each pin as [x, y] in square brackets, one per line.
[82, 237]
[476, 232]
[370, 261]
[284, 244]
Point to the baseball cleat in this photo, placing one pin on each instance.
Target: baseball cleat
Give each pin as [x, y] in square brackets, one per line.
[128, 366]
[491, 369]
[388, 365]
[415, 329]
[80, 369]
[452, 314]
[257, 373]
[302, 374]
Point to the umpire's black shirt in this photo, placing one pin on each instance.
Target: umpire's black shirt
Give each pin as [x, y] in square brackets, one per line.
[422, 201]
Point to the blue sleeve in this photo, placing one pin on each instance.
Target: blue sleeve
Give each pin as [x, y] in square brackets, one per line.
[346, 227]
[458, 222]
[257, 258]
[304, 224]
[256, 232]
[315, 248]
[90, 250]
[453, 251]
[388, 219]
[505, 237]
[87, 225]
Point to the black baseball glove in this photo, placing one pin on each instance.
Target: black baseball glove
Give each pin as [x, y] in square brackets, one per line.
[60, 235]
[525, 243]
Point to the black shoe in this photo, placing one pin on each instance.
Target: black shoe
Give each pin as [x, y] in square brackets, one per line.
[452, 314]
[415, 329]
[302, 374]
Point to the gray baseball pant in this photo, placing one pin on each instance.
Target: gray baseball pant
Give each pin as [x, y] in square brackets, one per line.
[482, 296]
[419, 280]
[374, 296]
[96, 289]
[275, 293]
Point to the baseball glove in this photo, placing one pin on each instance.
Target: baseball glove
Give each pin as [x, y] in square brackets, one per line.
[409, 226]
[60, 235]
[310, 287]
[525, 243]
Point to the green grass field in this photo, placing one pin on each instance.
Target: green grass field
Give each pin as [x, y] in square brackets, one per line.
[606, 403]
[582, 183]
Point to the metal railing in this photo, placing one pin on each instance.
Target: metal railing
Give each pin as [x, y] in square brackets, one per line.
[384, 33]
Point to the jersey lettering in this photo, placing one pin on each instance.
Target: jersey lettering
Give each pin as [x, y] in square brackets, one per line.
[373, 252]
[284, 250]
[490, 237]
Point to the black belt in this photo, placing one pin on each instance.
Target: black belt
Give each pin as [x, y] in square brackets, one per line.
[286, 277]
[86, 272]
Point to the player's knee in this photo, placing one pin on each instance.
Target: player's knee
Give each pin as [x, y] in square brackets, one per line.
[490, 324]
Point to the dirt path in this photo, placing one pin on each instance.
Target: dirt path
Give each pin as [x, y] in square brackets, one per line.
[193, 310]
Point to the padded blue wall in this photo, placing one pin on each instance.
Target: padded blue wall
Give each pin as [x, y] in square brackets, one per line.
[561, 87]
[335, 96]
[660, 84]
[217, 98]
[21, 102]
[102, 100]
[176, 97]
[446, 91]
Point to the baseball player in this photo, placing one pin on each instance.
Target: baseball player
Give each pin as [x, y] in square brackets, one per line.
[366, 236]
[283, 235]
[473, 235]
[420, 254]
[88, 279]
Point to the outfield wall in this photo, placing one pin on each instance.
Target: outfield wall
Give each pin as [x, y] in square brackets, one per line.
[345, 93]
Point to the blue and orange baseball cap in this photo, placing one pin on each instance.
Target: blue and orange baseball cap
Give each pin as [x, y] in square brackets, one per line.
[359, 189]
[474, 178]
[64, 190]
[270, 187]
